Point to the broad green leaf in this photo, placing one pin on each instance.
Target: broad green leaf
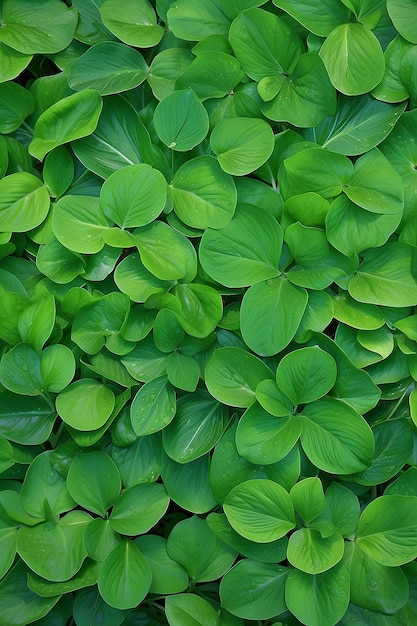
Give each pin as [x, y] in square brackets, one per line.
[199, 423]
[24, 421]
[188, 484]
[272, 399]
[188, 609]
[374, 586]
[99, 538]
[125, 69]
[36, 322]
[79, 224]
[319, 18]
[133, 22]
[71, 118]
[309, 552]
[181, 121]
[85, 404]
[336, 445]
[94, 482]
[58, 171]
[16, 104]
[270, 314]
[198, 308]
[242, 144]
[308, 246]
[132, 278]
[24, 202]
[166, 253]
[233, 374]
[85, 577]
[18, 604]
[387, 530]
[259, 510]
[133, 196]
[306, 374]
[357, 314]
[6, 455]
[139, 508]
[125, 576]
[391, 87]
[310, 209]
[196, 547]
[145, 362]
[168, 576]
[386, 277]
[54, 550]
[165, 68]
[254, 590]
[89, 608]
[317, 315]
[262, 438]
[183, 371]
[193, 20]
[20, 371]
[153, 407]
[264, 44]
[8, 549]
[12, 62]
[167, 332]
[360, 123]
[319, 599]
[308, 498]
[402, 13]
[39, 26]
[341, 511]
[212, 74]
[57, 367]
[244, 252]
[353, 58]
[139, 462]
[204, 196]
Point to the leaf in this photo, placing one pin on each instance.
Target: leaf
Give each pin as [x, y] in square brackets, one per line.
[89, 607]
[321, 598]
[181, 121]
[94, 482]
[204, 196]
[168, 576]
[341, 511]
[233, 374]
[193, 20]
[242, 144]
[271, 312]
[211, 74]
[403, 17]
[335, 437]
[133, 196]
[20, 371]
[183, 371]
[125, 69]
[85, 404]
[166, 67]
[306, 374]
[387, 530]
[188, 609]
[57, 367]
[99, 538]
[309, 552]
[259, 510]
[24, 202]
[386, 277]
[12, 62]
[188, 485]
[153, 407]
[16, 104]
[360, 124]
[125, 576]
[254, 590]
[132, 278]
[23, 421]
[244, 252]
[198, 308]
[71, 118]
[85, 577]
[321, 18]
[37, 27]
[308, 499]
[353, 58]
[134, 22]
[139, 508]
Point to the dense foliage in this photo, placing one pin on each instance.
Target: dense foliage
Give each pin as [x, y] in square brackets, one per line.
[208, 334]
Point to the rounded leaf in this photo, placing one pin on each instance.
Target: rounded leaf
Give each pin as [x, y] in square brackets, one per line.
[93, 481]
[306, 374]
[309, 552]
[181, 121]
[86, 404]
[139, 508]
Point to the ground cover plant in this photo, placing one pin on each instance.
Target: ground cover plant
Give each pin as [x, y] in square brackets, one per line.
[208, 334]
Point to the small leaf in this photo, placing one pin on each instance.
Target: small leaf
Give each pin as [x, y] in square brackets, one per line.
[188, 609]
[139, 508]
[85, 404]
[153, 407]
[134, 22]
[309, 552]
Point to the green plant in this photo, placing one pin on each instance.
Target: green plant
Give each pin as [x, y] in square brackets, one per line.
[207, 312]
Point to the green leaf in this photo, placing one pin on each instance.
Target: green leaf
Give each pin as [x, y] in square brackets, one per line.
[94, 482]
[70, 118]
[134, 22]
[168, 576]
[89, 607]
[309, 552]
[198, 309]
[20, 371]
[165, 68]
[125, 69]
[85, 404]
[99, 538]
[319, 599]
[125, 576]
[204, 196]
[57, 367]
[79, 224]
[244, 252]
[242, 144]
[183, 371]
[306, 374]
[233, 374]
[139, 508]
[193, 20]
[12, 62]
[336, 445]
[402, 13]
[254, 590]
[58, 171]
[308, 499]
[153, 407]
[16, 104]
[39, 26]
[132, 278]
[36, 322]
[196, 547]
[188, 484]
[54, 550]
[308, 246]
[357, 314]
[23, 421]
[24, 202]
[272, 399]
[181, 121]
[212, 74]
[8, 549]
[85, 577]
[188, 609]
[386, 277]
[139, 462]
[199, 423]
[320, 18]
[259, 510]
[353, 58]
[270, 315]
[387, 530]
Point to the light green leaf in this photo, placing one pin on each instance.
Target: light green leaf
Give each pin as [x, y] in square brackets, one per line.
[132, 278]
[94, 482]
[23, 421]
[57, 367]
[12, 62]
[134, 22]
[193, 20]
[85, 404]
[139, 508]
[181, 121]
[212, 74]
[306, 374]
[308, 499]
[165, 68]
[153, 407]
[20, 371]
[309, 552]
[16, 104]
[319, 18]
[402, 13]
[79, 224]
[188, 609]
[24, 202]
[168, 576]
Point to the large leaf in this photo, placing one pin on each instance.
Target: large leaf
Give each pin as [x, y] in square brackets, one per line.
[188, 609]
[153, 407]
[402, 13]
[24, 202]
[85, 404]
[212, 74]
[168, 576]
[16, 104]
[94, 482]
[134, 22]
[194, 20]
[139, 508]
[320, 18]
[23, 421]
[306, 374]
[181, 121]
[309, 552]
[68, 119]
